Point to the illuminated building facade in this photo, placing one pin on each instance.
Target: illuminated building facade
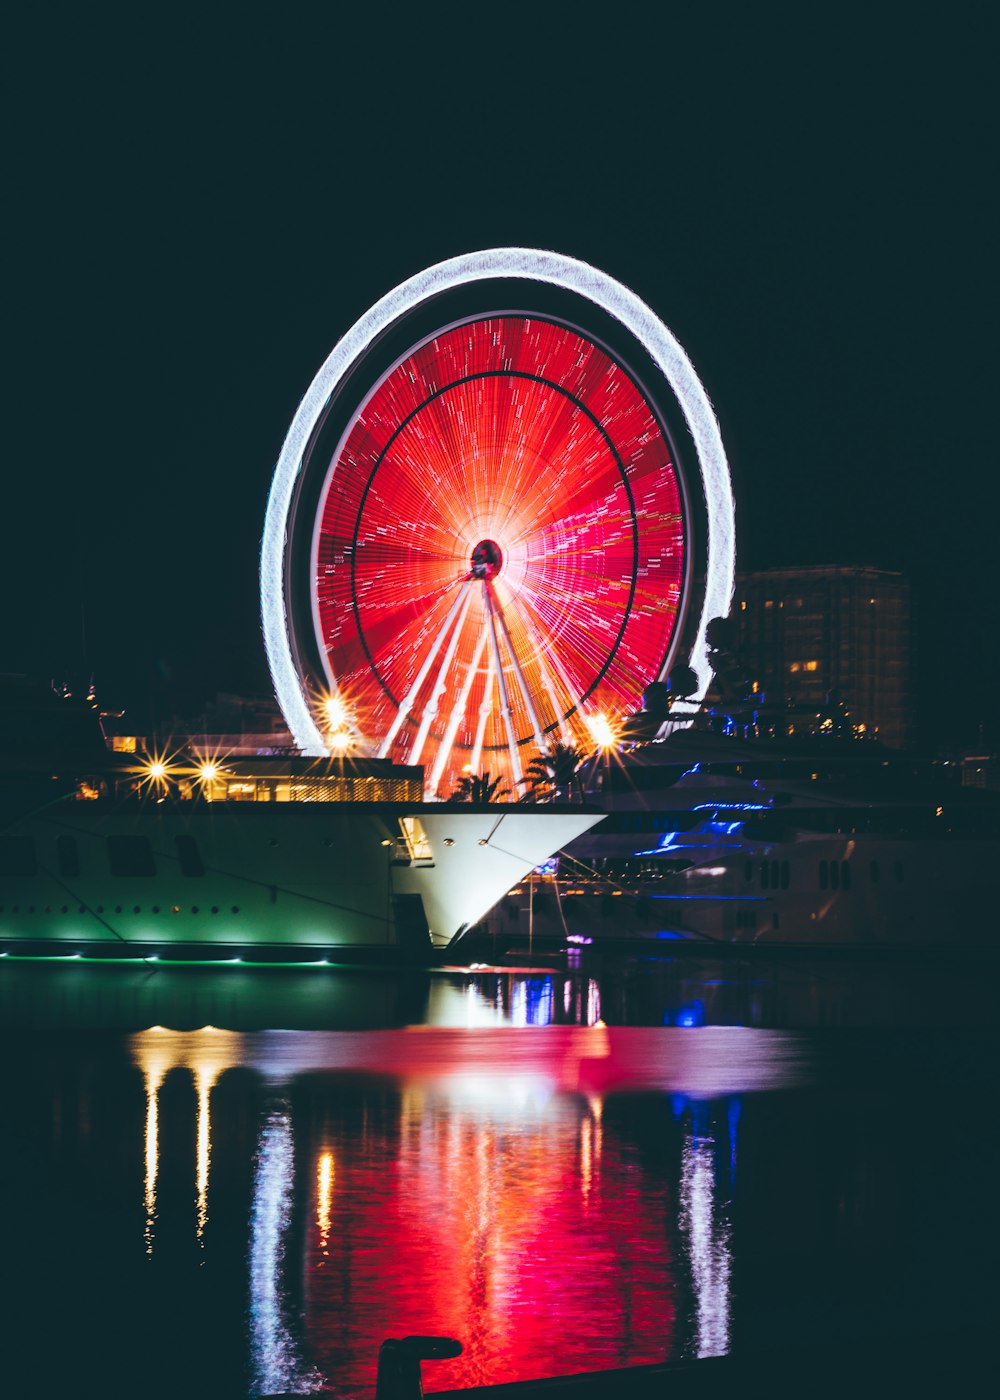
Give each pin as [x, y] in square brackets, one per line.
[808, 634]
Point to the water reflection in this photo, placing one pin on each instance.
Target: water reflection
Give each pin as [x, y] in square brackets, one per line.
[250, 1210]
[705, 1225]
[503, 1188]
[324, 1197]
[205, 1053]
[275, 1356]
[738, 990]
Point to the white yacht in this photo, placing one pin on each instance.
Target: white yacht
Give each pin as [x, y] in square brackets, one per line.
[119, 853]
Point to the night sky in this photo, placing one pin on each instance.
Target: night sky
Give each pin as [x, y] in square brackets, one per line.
[198, 207]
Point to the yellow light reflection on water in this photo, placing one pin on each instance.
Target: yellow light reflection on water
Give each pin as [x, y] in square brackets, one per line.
[324, 1197]
[205, 1053]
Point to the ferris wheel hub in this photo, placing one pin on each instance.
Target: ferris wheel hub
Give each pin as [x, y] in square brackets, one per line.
[487, 559]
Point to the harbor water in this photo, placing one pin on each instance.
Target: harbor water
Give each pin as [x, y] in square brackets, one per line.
[237, 1182]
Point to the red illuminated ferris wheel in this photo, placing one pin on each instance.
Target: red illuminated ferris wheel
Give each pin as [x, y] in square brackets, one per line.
[486, 550]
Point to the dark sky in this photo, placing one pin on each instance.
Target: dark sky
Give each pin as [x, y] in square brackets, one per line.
[199, 206]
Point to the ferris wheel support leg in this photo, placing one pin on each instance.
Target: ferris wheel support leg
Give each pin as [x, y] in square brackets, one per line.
[484, 710]
[431, 708]
[515, 757]
[422, 674]
[458, 710]
[519, 675]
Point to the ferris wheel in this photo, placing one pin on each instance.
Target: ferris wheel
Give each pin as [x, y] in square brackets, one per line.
[481, 541]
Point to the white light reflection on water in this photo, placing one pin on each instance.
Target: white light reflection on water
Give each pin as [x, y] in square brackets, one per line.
[276, 1364]
[708, 1239]
[492, 999]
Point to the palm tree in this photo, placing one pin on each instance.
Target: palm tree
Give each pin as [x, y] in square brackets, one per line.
[477, 787]
[555, 774]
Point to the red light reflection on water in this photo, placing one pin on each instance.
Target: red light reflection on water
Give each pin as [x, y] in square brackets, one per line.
[514, 1225]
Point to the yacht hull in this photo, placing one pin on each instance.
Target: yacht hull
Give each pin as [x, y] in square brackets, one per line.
[325, 875]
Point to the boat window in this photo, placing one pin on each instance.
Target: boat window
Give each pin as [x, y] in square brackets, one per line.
[774, 874]
[834, 875]
[189, 856]
[823, 875]
[763, 875]
[17, 856]
[845, 874]
[748, 870]
[417, 845]
[786, 875]
[67, 856]
[131, 855]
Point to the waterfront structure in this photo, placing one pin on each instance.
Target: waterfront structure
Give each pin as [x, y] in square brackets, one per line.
[812, 637]
[487, 520]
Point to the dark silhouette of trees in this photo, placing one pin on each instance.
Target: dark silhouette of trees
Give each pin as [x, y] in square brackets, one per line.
[554, 774]
[477, 787]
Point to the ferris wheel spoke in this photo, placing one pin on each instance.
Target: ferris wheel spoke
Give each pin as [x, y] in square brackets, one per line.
[431, 708]
[508, 719]
[519, 675]
[571, 689]
[458, 710]
[422, 674]
[485, 707]
[565, 734]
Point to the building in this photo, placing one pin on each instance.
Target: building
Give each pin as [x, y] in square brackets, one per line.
[811, 636]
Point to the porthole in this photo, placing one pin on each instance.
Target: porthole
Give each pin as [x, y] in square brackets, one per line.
[118, 909]
[194, 908]
[235, 909]
[136, 909]
[156, 908]
[215, 908]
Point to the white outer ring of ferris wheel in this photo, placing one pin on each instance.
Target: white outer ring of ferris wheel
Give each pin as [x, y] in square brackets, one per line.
[529, 264]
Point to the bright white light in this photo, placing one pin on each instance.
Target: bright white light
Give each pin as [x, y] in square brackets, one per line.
[529, 264]
[335, 713]
[207, 772]
[602, 731]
